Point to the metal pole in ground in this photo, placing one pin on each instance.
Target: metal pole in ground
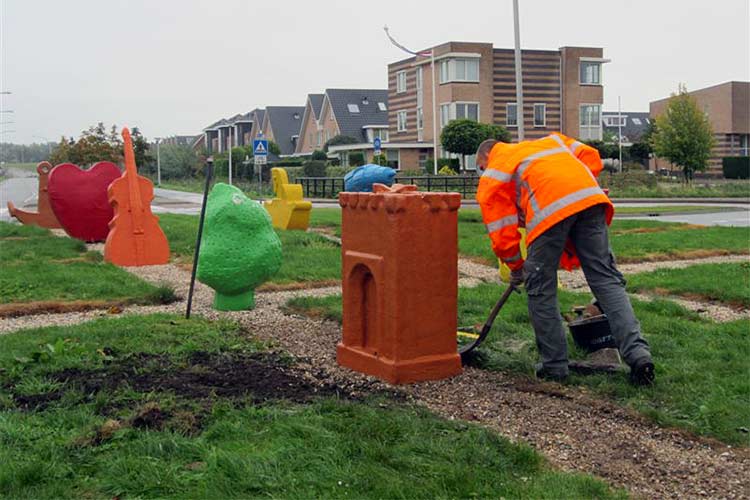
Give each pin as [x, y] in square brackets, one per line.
[209, 174]
[519, 77]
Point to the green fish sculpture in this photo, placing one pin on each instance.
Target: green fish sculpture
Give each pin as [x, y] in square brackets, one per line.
[240, 250]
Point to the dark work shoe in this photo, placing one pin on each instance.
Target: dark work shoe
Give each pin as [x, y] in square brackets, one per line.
[544, 374]
[642, 372]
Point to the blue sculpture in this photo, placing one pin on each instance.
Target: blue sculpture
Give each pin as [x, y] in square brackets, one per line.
[362, 178]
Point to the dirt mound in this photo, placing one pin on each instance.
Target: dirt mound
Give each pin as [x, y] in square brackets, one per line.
[203, 376]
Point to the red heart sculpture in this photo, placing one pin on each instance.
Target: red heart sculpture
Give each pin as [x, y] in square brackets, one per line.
[79, 199]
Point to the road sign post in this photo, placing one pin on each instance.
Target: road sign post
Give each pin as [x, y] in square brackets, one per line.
[260, 158]
[376, 144]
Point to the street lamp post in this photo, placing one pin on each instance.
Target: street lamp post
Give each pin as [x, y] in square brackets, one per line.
[519, 77]
[158, 162]
[425, 53]
[49, 144]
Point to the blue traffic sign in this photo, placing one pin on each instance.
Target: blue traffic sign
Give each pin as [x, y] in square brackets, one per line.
[376, 144]
[260, 147]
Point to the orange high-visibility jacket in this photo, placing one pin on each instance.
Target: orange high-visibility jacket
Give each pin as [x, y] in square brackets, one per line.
[536, 184]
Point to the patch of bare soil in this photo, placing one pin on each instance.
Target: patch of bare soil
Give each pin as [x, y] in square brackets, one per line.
[681, 255]
[658, 229]
[297, 285]
[14, 310]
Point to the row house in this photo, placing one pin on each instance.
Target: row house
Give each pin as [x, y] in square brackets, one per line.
[632, 125]
[361, 114]
[281, 125]
[727, 106]
[562, 89]
[227, 133]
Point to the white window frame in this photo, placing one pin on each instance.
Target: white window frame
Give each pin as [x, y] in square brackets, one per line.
[353, 108]
[452, 114]
[611, 121]
[398, 151]
[401, 118]
[454, 109]
[507, 114]
[372, 133]
[401, 82]
[580, 72]
[544, 114]
[597, 123]
[420, 118]
[445, 118]
[382, 106]
[449, 71]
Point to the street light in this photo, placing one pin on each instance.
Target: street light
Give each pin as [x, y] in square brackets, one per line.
[519, 77]
[49, 143]
[158, 162]
[425, 53]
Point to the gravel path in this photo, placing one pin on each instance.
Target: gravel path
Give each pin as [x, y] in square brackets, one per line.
[575, 430]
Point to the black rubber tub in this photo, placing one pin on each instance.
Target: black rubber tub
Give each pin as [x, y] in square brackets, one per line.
[592, 333]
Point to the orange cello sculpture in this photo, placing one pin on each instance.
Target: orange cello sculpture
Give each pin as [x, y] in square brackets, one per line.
[44, 217]
[135, 238]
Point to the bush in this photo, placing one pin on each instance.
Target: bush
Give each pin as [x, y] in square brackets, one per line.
[314, 168]
[356, 158]
[380, 159]
[446, 170]
[337, 171]
[736, 167]
[338, 140]
[289, 162]
[630, 178]
[319, 155]
[293, 173]
[178, 162]
[453, 163]
[411, 173]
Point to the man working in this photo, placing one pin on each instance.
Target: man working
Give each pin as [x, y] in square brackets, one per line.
[549, 187]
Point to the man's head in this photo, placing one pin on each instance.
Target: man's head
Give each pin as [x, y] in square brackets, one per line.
[483, 153]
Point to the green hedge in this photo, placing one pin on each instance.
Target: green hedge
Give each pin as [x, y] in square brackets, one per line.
[629, 178]
[736, 167]
[314, 168]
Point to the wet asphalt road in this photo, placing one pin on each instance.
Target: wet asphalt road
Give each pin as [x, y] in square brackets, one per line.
[21, 188]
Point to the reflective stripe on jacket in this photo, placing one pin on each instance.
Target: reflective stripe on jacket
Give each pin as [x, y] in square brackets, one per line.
[536, 184]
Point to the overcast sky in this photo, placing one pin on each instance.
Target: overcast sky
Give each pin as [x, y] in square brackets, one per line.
[174, 66]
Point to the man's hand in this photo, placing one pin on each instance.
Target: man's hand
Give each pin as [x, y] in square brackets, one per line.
[516, 277]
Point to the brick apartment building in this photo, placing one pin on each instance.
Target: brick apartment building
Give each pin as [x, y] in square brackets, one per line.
[728, 108]
[563, 91]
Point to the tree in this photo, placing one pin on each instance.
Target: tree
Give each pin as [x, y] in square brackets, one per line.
[683, 134]
[463, 137]
[140, 149]
[338, 140]
[94, 145]
[178, 161]
[496, 132]
[319, 155]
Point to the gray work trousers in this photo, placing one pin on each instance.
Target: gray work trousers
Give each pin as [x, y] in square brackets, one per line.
[588, 232]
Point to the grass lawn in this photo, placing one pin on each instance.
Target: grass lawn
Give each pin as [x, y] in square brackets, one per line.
[29, 167]
[157, 406]
[37, 266]
[326, 218]
[699, 363]
[699, 189]
[729, 283]
[631, 240]
[671, 209]
[307, 257]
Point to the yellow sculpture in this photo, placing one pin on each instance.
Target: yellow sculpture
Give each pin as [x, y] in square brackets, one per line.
[288, 210]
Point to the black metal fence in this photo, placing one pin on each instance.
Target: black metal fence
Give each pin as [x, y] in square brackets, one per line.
[329, 187]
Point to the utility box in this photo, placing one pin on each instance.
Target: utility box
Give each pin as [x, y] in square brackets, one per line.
[400, 283]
